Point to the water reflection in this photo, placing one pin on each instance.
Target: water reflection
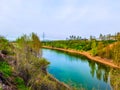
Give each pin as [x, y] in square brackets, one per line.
[101, 71]
[77, 70]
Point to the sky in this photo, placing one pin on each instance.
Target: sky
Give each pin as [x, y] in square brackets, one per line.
[59, 19]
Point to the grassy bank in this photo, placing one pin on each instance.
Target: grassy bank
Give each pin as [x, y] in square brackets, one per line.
[88, 55]
[8, 79]
[103, 49]
[23, 68]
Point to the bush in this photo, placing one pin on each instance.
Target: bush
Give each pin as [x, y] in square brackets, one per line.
[5, 69]
[20, 84]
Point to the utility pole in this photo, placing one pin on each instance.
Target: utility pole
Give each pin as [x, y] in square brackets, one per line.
[43, 36]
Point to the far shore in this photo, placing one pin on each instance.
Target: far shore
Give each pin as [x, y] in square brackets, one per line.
[87, 54]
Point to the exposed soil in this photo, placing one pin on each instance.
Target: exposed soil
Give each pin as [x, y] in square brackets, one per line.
[105, 61]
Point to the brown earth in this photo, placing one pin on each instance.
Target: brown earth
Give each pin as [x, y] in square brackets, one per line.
[105, 61]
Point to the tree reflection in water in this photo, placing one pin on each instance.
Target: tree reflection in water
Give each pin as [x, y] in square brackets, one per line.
[101, 71]
[106, 74]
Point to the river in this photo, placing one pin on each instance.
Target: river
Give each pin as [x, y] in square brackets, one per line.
[77, 70]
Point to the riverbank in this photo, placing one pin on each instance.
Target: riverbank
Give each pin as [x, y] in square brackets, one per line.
[87, 54]
[61, 84]
[12, 81]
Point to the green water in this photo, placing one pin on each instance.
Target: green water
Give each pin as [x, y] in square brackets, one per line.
[77, 70]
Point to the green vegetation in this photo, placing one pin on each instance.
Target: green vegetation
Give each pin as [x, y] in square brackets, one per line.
[27, 64]
[7, 72]
[116, 52]
[107, 46]
[115, 78]
[5, 69]
[3, 43]
[25, 60]
[20, 84]
[31, 66]
[5, 46]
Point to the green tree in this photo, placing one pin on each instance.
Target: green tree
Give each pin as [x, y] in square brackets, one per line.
[100, 49]
[101, 37]
[29, 66]
[94, 48]
[115, 78]
[118, 36]
[36, 44]
[4, 44]
[116, 52]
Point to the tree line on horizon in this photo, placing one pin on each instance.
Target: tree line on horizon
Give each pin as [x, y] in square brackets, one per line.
[101, 37]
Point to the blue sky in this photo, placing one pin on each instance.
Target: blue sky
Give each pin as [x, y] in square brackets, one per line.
[59, 19]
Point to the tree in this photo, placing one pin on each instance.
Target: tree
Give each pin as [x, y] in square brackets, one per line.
[78, 37]
[94, 48]
[91, 38]
[100, 49]
[4, 44]
[101, 37]
[118, 36]
[36, 44]
[28, 65]
[108, 52]
[115, 78]
[116, 53]
[108, 36]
